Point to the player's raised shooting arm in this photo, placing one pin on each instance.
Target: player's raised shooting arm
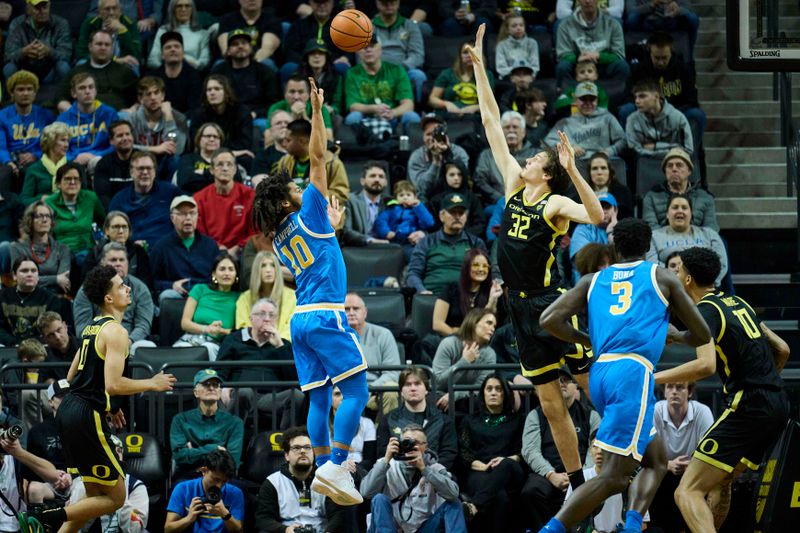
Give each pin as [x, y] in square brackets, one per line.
[780, 350]
[700, 368]
[318, 142]
[490, 116]
[557, 318]
[698, 334]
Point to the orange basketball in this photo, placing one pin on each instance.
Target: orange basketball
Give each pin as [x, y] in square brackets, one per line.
[351, 30]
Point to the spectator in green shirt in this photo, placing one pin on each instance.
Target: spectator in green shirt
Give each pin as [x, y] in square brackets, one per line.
[297, 102]
[75, 210]
[378, 92]
[196, 433]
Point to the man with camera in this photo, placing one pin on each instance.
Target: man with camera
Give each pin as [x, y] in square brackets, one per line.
[286, 503]
[12, 454]
[208, 503]
[410, 491]
[425, 163]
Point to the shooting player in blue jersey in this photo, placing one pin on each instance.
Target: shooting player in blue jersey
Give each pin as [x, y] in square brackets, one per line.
[326, 350]
[628, 306]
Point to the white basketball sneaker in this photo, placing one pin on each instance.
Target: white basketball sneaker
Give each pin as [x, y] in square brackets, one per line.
[335, 482]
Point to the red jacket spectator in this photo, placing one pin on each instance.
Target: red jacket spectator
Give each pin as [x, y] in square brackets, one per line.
[225, 217]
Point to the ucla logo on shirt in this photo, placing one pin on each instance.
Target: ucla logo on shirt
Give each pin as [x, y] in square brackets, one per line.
[23, 133]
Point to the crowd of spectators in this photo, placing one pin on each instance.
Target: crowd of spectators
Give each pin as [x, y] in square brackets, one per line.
[140, 147]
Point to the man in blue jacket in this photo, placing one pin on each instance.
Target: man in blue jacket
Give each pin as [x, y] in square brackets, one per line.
[88, 120]
[146, 201]
[183, 257]
[21, 126]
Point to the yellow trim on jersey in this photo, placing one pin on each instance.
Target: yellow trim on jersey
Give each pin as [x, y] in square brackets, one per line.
[313, 385]
[725, 368]
[319, 307]
[556, 233]
[542, 197]
[314, 234]
[656, 287]
[713, 462]
[515, 191]
[724, 323]
[611, 357]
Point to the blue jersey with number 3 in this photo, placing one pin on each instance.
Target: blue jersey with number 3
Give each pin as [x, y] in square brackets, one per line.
[306, 244]
[627, 312]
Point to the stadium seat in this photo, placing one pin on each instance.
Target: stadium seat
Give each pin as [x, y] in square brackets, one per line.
[547, 64]
[648, 174]
[354, 170]
[8, 355]
[385, 308]
[169, 321]
[440, 52]
[144, 458]
[262, 456]
[414, 132]
[422, 313]
[156, 357]
[376, 260]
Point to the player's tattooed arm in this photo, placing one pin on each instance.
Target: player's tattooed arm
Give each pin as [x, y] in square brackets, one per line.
[557, 318]
[780, 350]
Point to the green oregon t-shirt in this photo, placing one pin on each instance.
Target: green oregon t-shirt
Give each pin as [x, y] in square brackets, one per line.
[388, 86]
[462, 93]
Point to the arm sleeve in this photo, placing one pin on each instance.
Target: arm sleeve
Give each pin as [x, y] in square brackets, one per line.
[532, 445]
[235, 440]
[563, 9]
[444, 485]
[448, 350]
[617, 137]
[268, 510]
[390, 355]
[375, 480]
[615, 8]
[416, 265]
[14, 42]
[448, 444]
[134, 512]
[465, 443]
[143, 314]
[416, 51]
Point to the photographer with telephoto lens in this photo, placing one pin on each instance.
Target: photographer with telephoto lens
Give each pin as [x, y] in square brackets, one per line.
[208, 503]
[12, 457]
[411, 492]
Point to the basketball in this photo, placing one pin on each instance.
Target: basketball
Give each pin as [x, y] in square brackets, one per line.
[351, 30]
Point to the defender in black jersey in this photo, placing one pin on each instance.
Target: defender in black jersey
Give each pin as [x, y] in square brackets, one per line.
[95, 375]
[748, 358]
[535, 218]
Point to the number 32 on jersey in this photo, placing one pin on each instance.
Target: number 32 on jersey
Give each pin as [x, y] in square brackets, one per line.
[299, 255]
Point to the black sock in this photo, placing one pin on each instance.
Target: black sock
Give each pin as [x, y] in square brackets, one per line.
[55, 515]
[576, 479]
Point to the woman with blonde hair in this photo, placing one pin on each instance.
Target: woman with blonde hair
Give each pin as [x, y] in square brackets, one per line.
[40, 177]
[266, 281]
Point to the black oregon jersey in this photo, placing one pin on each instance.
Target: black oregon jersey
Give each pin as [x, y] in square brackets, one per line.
[89, 382]
[526, 244]
[744, 357]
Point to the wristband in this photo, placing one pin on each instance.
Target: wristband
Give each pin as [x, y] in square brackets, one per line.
[227, 517]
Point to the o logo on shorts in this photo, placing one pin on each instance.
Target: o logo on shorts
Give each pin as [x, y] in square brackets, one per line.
[709, 450]
[96, 469]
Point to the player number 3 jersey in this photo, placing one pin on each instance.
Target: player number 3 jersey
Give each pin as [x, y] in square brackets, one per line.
[627, 311]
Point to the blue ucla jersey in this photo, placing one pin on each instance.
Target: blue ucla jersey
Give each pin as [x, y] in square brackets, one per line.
[306, 244]
[627, 312]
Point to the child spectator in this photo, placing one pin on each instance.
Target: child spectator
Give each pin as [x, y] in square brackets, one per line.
[532, 104]
[584, 71]
[404, 217]
[514, 47]
[454, 179]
